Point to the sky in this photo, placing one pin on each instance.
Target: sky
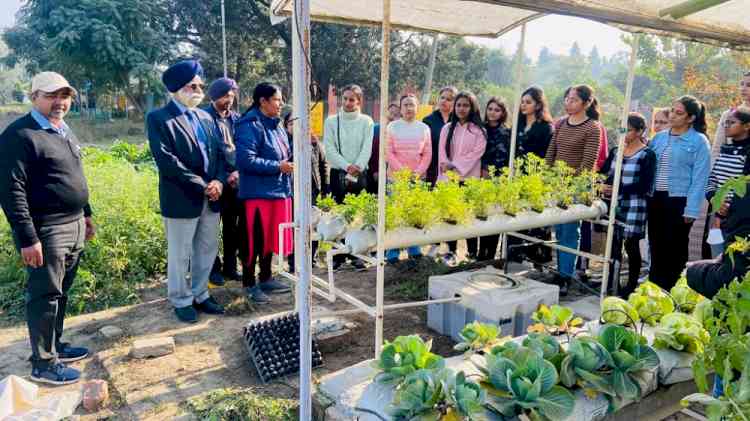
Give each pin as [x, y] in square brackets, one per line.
[555, 32]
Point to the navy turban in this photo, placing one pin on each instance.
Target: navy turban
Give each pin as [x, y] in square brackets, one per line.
[220, 87]
[180, 74]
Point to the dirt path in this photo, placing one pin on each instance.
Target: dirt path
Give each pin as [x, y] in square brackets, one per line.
[209, 354]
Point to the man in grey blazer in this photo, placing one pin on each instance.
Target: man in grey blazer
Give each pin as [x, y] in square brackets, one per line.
[187, 149]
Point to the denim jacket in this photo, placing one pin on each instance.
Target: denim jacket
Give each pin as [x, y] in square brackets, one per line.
[690, 164]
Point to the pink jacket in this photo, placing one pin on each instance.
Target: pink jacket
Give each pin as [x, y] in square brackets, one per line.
[409, 146]
[467, 148]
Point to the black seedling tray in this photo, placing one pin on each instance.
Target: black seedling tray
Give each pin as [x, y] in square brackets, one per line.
[273, 346]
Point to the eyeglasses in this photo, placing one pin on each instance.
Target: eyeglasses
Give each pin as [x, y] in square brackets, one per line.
[196, 86]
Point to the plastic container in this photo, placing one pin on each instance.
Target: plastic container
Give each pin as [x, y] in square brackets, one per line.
[489, 296]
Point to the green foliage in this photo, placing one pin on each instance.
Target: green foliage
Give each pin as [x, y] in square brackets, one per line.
[113, 44]
[519, 380]
[685, 298]
[629, 357]
[450, 201]
[617, 311]
[508, 193]
[135, 154]
[480, 193]
[411, 203]
[241, 405]
[681, 332]
[727, 354]
[129, 247]
[326, 203]
[477, 336]
[438, 395]
[560, 179]
[534, 190]
[739, 245]
[585, 365]
[360, 210]
[555, 319]
[651, 302]
[404, 356]
[738, 185]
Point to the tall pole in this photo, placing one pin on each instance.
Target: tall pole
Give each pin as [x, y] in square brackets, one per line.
[618, 163]
[516, 113]
[302, 194]
[384, 75]
[430, 71]
[224, 37]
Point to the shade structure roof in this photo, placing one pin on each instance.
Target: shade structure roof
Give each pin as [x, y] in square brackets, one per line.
[725, 23]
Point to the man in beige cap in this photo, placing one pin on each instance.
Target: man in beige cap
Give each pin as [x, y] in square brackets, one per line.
[45, 198]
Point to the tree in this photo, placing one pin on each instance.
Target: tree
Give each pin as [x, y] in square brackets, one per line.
[114, 44]
[595, 61]
[575, 51]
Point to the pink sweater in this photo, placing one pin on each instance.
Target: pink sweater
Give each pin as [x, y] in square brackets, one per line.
[409, 146]
[467, 149]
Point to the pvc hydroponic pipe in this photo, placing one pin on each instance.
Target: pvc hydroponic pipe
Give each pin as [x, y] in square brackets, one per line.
[406, 237]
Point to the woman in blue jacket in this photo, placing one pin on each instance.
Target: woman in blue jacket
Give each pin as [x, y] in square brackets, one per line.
[264, 162]
[683, 162]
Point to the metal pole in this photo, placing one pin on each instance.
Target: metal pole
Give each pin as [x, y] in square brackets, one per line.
[224, 37]
[514, 121]
[618, 163]
[426, 94]
[384, 74]
[302, 173]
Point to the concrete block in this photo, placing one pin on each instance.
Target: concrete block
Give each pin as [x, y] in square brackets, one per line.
[155, 347]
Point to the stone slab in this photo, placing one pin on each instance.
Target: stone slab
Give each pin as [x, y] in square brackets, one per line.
[153, 347]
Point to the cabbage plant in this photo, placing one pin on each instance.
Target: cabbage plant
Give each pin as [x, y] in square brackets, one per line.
[478, 336]
[519, 380]
[404, 356]
[651, 302]
[617, 311]
[681, 332]
[685, 298]
[438, 395]
[629, 357]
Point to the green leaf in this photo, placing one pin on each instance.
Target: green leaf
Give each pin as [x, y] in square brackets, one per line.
[599, 383]
[557, 403]
[625, 386]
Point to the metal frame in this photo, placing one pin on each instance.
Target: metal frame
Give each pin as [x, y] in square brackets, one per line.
[305, 281]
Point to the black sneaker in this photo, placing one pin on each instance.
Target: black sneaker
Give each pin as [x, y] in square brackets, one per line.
[216, 278]
[337, 264]
[186, 314]
[67, 353]
[57, 374]
[231, 275]
[359, 265]
[209, 306]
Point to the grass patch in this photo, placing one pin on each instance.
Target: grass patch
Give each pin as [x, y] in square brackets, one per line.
[91, 132]
[16, 108]
[241, 405]
[129, 247]
[409, 278]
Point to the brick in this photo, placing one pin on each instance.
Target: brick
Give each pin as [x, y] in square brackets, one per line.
[111, 332]
[156, 347]
[95, 395]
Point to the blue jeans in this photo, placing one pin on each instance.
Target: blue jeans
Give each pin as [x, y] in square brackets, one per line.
[393, 254]
[567, 235]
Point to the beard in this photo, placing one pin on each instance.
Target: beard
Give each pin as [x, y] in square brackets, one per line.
[190, 100]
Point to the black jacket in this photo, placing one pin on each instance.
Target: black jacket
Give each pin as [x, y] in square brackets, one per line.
[536, 140]
[182, 179]
[436, 123]
[41, 181]
[497, 152]
[707, 277]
